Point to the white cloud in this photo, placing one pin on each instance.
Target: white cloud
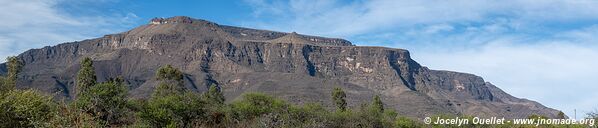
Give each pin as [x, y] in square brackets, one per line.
[329, 17]
[540, 50]
[30, 24]
[433, 29]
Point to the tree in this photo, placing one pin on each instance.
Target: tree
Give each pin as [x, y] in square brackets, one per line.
[14, 67]
[108, 101]
[338, 96]
[170, 104]
[214, 95]
[86, 77]
[377, 104]
[169, 73]
[214, 100]
[105, 102]
[171, 81]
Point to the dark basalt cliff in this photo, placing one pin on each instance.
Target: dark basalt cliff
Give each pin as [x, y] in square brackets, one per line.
[295, 67]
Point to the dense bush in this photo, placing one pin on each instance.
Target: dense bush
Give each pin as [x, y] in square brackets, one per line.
[173, 110]
[101, 104]
[256, 104]
[171, 81]
[404, 122]
[171, 105]
[106, 102]
[26, 108]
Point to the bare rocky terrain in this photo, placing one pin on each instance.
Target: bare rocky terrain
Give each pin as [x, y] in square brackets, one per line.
[295, 67]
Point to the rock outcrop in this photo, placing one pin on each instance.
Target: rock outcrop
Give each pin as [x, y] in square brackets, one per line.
[299, 68]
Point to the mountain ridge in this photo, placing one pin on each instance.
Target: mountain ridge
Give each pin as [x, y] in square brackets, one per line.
[299, 68]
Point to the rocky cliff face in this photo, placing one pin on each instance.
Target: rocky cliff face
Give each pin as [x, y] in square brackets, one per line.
[295, 67]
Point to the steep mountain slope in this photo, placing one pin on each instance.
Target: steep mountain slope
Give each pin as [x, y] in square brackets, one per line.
[295, 67]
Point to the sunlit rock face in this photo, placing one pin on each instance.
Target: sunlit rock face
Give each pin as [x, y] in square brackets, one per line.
[296, 67]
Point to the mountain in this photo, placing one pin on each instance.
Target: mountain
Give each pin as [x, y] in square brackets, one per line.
[295, 67]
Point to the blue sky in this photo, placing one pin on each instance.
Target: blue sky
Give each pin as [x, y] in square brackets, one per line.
[540, 50]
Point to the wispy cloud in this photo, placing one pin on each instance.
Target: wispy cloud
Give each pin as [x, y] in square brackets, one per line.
[338, 18]
[540, 50]
[29, 24]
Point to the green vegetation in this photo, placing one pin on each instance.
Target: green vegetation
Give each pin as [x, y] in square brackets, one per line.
[214, 95]
[26, 108]
[338, 96]
[171, 82]
[86, 77]
[377, 104]
[105, 104]
[3, 90]
[9, 82]
[171, 105]
[181, 110]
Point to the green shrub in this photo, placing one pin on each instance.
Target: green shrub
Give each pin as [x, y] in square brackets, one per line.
[217, 112]
[70, 116]
[377, 104]
[171, 105]
[173, 110]
[26, 108]
[110, 103]
[256, 104]
[309, 115]
[338, 97]
[171, 81]
[106, 102]
[404, 122]
[214, 95]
